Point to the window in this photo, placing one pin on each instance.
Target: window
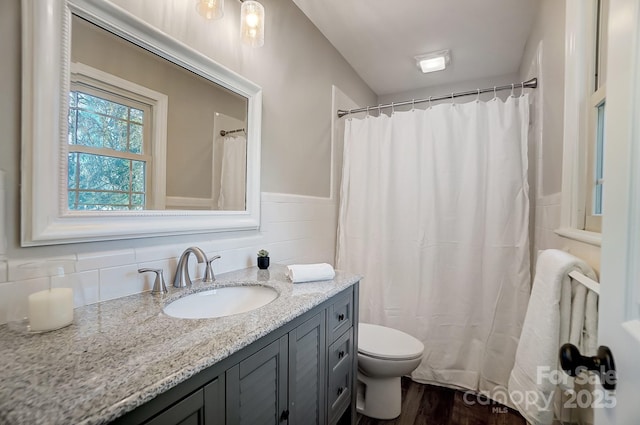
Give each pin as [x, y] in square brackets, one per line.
[595, 143]
[108, 151]
[583, 184]
[116, 143]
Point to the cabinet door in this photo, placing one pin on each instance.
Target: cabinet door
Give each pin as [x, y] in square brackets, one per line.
[257, 387]
[214, 405]
[188, 411]
[307, 373]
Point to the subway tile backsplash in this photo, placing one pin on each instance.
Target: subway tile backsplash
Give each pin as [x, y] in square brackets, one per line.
[295, 229]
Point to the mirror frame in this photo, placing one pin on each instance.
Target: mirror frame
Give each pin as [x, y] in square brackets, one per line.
[45, 219]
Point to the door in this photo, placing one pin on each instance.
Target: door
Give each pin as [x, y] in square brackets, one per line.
[257, 387]
[307, 372]
[619, 323]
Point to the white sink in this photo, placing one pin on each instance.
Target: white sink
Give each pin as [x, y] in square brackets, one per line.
[221, 302]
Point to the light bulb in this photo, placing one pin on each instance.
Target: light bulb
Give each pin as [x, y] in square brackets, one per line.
[252, 20]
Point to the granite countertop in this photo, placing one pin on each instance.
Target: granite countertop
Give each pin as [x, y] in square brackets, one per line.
[119, 354]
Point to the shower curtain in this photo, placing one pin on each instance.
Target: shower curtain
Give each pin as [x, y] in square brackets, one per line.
[233, 174]
[434, 213]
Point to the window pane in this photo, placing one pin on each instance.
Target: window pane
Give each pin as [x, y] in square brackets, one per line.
[137, 201]
[71, 170]
[73, 99]
[597, 207]
[135, 141]
[99, 131]
[101, 123]
[136, 115]
[138, 176]
[72, 131]
[102, 106]
[104, 173]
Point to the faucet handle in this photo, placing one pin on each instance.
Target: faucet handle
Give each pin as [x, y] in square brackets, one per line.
[208, 271]
[159, 287]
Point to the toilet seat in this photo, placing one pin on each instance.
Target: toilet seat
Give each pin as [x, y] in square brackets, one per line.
[387, 344]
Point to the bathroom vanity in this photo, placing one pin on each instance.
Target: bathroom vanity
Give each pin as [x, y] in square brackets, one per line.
[292, 361]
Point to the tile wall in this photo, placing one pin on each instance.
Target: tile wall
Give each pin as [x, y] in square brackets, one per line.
[295, 229]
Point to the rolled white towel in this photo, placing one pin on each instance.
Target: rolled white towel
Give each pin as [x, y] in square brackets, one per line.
[310, 272]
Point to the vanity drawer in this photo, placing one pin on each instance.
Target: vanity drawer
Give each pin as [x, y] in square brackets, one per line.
[340, 315]
[340, 389]
[341, 352]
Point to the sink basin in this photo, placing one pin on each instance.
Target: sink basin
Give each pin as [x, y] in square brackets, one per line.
[221, 302]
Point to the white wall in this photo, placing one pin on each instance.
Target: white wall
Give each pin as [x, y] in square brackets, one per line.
[296, 68]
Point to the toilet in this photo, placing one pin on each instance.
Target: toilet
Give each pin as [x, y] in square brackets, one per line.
[384, 355]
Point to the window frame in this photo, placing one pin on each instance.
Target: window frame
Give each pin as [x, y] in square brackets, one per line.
[146, 156]
[579, 83]
[97, 81]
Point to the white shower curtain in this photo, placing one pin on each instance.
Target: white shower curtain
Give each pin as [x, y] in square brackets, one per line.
[434, 213]
[233, 174]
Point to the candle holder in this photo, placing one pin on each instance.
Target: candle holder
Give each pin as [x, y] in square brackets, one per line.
[47, 297]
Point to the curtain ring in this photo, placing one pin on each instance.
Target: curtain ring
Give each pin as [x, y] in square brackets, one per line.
[367, 116]
[522, 89]
[452, 101]
[393, 108]
[430, 101]
[413, 104]
[478, 97]
[495, 93]
[379, 106]
[512, 89]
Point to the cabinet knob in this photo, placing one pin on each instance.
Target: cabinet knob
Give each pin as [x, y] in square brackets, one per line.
[341, 317]
[340, 390]
[285, 415]
[341, 354]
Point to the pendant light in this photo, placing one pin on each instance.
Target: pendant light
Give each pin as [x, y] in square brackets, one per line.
[252, 23]
[210, 9]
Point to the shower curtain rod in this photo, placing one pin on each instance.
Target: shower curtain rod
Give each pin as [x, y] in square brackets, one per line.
[224, 132]
[530, 84]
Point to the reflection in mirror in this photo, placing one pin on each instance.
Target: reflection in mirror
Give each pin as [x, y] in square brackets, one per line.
[147, 134]
[128, 132]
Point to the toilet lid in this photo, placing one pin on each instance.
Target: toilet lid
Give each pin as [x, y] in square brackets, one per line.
[386, 343]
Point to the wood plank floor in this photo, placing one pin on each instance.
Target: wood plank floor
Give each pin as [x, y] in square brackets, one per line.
[432, 405]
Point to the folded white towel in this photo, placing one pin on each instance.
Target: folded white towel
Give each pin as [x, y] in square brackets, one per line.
[310, 272]
[547, 325]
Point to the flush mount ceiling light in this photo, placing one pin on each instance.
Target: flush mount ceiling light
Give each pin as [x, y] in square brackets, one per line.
[210, 9]
[252, 23]
[435, 61]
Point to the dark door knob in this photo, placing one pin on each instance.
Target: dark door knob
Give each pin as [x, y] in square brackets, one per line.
[572, 362]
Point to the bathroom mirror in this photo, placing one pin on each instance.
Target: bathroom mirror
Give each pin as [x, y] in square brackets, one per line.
[129, 133]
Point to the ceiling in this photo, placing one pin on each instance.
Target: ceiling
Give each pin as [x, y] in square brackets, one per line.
[380, 38]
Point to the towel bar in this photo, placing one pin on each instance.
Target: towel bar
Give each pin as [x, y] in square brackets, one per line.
[591, 284]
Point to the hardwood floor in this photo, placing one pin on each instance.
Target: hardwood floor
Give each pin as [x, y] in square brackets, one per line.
[432, 405]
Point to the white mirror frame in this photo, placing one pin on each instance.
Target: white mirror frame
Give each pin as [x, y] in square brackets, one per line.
[46, 27]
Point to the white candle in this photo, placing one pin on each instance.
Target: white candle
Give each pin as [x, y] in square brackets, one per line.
[50, 309]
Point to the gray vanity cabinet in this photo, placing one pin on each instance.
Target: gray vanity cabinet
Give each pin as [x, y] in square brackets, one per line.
[301, 374]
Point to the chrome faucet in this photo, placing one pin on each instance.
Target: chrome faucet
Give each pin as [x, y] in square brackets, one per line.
[182, 278]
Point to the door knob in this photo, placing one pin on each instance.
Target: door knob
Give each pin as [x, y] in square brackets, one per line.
[572, 362]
